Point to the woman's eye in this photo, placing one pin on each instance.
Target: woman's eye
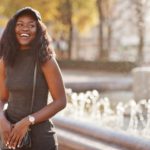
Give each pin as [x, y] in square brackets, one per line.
[31, 25]
[19, 25]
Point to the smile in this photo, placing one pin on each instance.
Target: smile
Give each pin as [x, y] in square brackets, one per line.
[24, 35]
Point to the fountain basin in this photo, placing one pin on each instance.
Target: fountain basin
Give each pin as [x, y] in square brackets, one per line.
[97, 135]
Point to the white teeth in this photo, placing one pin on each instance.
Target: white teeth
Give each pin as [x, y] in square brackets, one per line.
[24, 35]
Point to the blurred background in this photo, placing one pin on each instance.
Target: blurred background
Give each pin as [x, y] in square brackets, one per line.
[99, 46]
[92, 30]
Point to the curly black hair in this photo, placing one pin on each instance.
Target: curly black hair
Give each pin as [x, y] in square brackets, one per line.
[41, 45]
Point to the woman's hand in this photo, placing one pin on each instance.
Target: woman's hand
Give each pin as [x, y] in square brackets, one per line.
[5, 128]
[18, 132]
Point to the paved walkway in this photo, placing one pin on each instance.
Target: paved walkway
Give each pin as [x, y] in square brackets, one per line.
[80, 80]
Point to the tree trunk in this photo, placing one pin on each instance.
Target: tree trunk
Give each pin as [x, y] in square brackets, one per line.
[140, 56]
[109, 29]
[70, 41]
[140, 28]
[103, 52]
[99, 6]
[70, 32]
[109, 38]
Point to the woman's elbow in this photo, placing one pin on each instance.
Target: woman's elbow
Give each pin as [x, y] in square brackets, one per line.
[63, 103]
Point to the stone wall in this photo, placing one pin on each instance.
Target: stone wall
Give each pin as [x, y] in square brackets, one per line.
[97, 65]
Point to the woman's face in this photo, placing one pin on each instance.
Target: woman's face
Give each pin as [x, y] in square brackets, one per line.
[25, 30]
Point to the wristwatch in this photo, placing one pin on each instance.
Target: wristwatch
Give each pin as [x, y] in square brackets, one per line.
[31, 119]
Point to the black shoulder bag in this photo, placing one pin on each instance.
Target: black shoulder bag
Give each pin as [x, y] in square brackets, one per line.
[26, 141]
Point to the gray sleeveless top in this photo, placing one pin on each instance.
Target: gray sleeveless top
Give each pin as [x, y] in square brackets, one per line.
[19, 80]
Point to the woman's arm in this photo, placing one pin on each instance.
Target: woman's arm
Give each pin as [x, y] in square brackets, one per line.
[54, 80]
[3, 90]
[5, 126]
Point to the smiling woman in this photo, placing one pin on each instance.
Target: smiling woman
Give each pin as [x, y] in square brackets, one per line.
[25, 29]
[25, 46]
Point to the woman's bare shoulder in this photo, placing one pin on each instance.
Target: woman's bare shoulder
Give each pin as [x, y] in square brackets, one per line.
[50, 64]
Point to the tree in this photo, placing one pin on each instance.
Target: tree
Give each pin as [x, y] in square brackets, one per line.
[62, 15]
[76, 14]
[65, 18]
[104, 10]
[139, 7]
[48, 9]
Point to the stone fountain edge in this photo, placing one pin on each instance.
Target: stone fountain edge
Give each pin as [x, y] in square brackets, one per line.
[102, 134]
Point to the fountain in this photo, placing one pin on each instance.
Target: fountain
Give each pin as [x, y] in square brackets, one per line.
[90, 116]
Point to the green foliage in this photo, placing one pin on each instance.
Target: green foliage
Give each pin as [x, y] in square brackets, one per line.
[47, 8]
[85, 14]
[57, 12]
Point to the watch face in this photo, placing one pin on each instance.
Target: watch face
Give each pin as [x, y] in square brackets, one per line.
[31, 119]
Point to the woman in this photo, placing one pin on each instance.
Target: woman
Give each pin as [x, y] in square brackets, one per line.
[24, 44]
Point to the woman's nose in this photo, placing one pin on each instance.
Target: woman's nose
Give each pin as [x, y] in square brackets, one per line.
[25, 28]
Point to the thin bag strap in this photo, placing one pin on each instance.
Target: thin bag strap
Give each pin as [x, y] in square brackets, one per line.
[34, 85]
